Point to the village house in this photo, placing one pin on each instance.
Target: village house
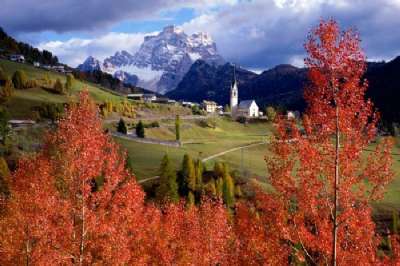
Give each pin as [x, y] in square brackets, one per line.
[59, 69]
[146, 97]
[135, 96]
[292, 115]
[149, 97]
[209, 106]
[17, 58]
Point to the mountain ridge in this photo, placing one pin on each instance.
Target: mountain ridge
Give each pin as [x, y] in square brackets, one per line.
[161, 61]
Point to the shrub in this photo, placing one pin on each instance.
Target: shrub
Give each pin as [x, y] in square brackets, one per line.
[140, 129]
[3, 76]
[197, 111]
[210, 123]
[58, 87]
[31, 84]
[6, 91]
[69, 82]
[242, 119]
[121, 128]
[270, 113]
[51, 111]
[19, 79]
[154, 124]
[4, 176]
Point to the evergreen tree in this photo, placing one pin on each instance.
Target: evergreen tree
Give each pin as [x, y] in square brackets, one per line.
[47, 79]
[3, 76]
[121, 128]
[199, 176]
[129, 164]
[178, 128]
[69, 82]
[270, 113]
[6, 91]
[219, 170]
[140, 129]
[168, 189]
[58, 87]
[4, 127]
[238, 191]
[228, 188]
[191, 199]
[188, 172]
[19, 79]
[210, 188]
[219, 186]
[4, 176]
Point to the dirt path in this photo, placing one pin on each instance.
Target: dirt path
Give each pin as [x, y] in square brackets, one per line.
[232, 150]
[212, 157]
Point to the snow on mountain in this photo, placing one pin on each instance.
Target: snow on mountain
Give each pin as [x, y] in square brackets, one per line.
[90, 64]
[163, 59]
[126, 77]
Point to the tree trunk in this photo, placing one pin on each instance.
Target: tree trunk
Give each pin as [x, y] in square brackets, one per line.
[27, 251]
[336, 187]
[82, 245]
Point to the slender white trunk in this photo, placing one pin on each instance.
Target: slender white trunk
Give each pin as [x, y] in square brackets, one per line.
[82, 244]
[336, 187]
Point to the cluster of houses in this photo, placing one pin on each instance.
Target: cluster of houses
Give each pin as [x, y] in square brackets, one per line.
[150, 98]
[57, 68]
[247, 108]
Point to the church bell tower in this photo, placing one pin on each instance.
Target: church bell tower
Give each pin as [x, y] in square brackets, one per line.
[234, 93]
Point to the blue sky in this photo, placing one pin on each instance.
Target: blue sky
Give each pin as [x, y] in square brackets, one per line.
[256, 34]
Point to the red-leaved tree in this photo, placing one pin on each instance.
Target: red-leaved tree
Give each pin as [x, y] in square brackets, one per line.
[74, 202]
[323, 180]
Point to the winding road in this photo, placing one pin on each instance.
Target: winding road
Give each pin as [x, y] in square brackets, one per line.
[211, 157]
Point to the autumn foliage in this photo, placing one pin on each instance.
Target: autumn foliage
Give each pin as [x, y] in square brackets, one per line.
[74, 203]
[323, 180]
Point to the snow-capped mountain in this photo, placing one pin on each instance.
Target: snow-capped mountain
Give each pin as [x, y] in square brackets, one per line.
[126, 77]
[162, 60]
[90, 64]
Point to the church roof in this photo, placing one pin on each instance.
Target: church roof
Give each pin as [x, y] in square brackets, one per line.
[245, 104]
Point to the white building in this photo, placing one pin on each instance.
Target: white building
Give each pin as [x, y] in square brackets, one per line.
[248, 108]
[146, 97]
[17, 58]
[210, 106]
[149, 97]
[293, 115]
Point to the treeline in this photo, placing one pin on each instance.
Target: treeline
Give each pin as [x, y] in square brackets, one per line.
[106, 80]
[193, 182]
[98, 77]
[31, 54]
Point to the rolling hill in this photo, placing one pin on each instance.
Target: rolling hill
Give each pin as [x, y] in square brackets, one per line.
[22, 102]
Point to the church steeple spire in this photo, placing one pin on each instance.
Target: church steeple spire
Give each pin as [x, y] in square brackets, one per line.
[234, 93]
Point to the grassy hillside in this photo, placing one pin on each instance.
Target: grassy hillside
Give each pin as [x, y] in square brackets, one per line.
[207, 141]
[23, 100]
[201, 142]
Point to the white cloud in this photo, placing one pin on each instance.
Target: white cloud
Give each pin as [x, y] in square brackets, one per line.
[75, 51]
[260, 33]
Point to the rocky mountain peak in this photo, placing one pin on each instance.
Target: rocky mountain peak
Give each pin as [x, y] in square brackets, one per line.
[163, 59]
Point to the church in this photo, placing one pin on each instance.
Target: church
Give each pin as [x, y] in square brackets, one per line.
[248, 108]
